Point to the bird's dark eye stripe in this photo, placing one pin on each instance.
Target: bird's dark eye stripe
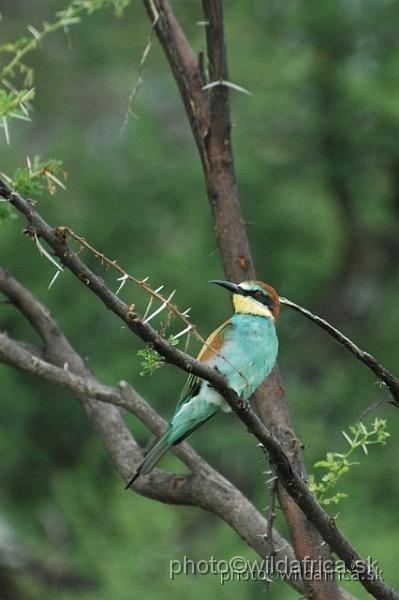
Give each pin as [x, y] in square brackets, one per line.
[259, 296]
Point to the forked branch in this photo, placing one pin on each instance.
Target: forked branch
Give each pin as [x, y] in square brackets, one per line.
[289, 479]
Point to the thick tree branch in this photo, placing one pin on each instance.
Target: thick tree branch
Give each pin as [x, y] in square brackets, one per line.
[219, 172]
[289, 479]
[204, 487]
[184, 66]
[198, 489]
[209, 117]
[218, 73]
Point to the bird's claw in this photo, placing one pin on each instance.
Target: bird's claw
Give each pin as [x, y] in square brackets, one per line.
[244, 406]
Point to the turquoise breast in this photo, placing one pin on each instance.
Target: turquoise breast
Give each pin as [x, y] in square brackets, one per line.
[249, 353]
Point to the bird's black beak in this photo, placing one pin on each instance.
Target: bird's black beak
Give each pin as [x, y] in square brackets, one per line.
[232, 287]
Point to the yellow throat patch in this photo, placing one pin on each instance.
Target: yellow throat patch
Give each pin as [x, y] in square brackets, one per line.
[248, 306]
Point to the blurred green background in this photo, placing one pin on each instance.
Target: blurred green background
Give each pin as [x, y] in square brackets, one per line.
[317, 158]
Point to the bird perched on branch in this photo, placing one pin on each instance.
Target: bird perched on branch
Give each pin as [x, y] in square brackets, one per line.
[243, 349]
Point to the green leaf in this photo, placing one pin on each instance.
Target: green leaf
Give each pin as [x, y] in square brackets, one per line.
[39, 176]
[337, 464]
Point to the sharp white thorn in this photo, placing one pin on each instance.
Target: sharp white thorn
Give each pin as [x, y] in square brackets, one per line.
[228, 84]
[186, 330]
[161, 308]
[6, 131]
[53, 280]
[123, 280]
[44, 252]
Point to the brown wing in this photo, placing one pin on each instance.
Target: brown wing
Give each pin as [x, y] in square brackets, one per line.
[214, 342]
[212, 345]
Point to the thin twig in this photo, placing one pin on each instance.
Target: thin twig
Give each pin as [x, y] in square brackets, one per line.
[143, 283]
[377, 368]
[133, 94]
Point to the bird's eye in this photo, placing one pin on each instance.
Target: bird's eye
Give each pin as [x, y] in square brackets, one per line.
[258, 295]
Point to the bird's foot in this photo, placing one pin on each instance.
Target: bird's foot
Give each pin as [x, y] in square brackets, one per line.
[212, 387]
[243, 405]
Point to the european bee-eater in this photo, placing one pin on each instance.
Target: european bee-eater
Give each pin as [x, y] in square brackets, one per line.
[243, 349]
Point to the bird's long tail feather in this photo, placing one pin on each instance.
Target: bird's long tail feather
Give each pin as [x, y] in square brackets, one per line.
[186, 420]
[154, 455]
